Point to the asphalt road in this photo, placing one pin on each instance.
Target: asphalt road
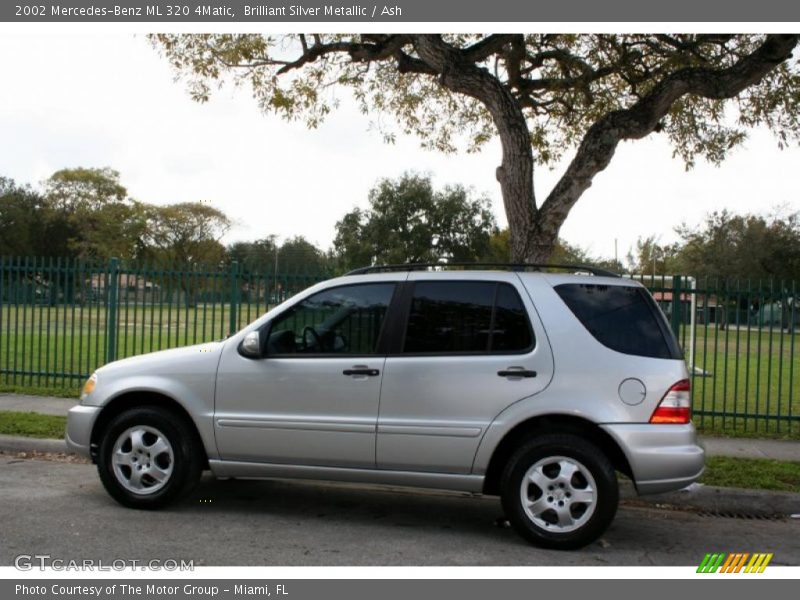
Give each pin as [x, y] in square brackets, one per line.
[61, 509]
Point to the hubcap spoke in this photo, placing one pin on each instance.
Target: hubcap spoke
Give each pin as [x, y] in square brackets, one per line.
[135, 480]
[122, 458]
[537, 507]
[568, 469]
[564, 516]
[137, 440]
[159, 474]
[538, 478]
[159, 447]
[583, 496]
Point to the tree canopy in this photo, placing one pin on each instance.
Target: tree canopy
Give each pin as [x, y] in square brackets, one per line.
[86, 213]
[729, 245]
[408, 221]
[543, 95]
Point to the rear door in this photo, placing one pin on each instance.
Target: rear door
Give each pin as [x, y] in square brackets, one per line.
[468, 346]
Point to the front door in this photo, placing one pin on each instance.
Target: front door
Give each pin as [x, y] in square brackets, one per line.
[313, 398]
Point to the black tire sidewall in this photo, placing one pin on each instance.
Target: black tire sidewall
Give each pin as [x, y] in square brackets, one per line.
[570, 446]
[186, 466]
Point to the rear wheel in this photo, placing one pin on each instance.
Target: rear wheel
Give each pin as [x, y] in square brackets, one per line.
[559, 491]
[148, 458]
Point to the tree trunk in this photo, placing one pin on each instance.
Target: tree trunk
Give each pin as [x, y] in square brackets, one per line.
[530, 241]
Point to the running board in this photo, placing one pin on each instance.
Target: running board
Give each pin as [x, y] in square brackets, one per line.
[442, 481]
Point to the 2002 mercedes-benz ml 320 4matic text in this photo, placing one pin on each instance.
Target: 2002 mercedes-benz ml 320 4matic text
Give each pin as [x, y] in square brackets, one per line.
[536, 386]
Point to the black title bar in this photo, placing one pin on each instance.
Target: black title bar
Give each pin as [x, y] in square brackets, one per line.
[400, 11]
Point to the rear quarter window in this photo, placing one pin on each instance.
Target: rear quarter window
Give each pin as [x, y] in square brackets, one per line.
[623, 318]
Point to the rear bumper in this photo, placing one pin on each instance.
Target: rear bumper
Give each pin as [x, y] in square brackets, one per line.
[80, 421]
[662, 457]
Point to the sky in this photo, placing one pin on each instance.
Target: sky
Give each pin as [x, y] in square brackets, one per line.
[96, 100]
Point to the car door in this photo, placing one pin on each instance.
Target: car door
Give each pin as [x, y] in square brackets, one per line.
[312, 399]
[471, 347]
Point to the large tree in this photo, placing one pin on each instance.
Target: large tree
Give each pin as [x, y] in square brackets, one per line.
[541, 94]
[408, 221]
[186, 233]
[88, 214]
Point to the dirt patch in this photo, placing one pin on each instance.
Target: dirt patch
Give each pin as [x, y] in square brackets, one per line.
[51, 456]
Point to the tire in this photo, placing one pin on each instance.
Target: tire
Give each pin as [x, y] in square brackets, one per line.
[570, 494]
[159, 458]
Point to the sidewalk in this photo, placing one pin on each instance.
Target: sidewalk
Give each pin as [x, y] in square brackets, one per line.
[715, 446]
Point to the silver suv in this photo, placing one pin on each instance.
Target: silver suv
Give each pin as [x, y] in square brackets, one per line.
[536, 386]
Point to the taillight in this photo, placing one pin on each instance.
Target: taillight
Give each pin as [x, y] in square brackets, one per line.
[676, 405]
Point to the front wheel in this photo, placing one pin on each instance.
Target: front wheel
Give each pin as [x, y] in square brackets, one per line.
[148, 458]
[559, 491]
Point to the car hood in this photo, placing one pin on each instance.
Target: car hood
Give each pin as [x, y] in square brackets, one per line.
[200, 359]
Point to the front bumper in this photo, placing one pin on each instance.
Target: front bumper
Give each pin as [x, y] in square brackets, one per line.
[662, 457]
[80, 421]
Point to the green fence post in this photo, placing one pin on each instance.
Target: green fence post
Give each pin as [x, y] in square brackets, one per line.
[234, 296]
[677, 307]
[111, 310]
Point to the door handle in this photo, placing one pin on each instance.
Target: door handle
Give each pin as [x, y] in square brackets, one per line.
[361, 371]
[517, 372]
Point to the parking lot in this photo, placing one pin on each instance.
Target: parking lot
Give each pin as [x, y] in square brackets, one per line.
[60, 509]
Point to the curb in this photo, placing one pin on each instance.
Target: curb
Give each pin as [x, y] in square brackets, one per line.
[14, 443]
[720, 501]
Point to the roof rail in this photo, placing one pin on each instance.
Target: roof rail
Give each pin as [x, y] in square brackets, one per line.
[472, 265]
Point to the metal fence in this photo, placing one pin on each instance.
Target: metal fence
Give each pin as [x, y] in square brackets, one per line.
[739, 339]
[61, 319]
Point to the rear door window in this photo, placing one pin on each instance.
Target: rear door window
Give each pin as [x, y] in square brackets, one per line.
[457, 317]
[623, 318]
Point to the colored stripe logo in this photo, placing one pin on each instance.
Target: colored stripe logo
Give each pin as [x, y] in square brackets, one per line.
[736, 562]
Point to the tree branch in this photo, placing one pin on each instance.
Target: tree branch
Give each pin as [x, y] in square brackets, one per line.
[601, 140]
[483, 49]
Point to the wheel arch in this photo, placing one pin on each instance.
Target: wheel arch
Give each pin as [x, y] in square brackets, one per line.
[553, 423]
[140, 399]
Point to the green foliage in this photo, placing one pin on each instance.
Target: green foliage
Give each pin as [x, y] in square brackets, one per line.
[82, 213]
[729, 245]
[87, 214]
[297, 254]
[22, 230]
[408, 221]
[651, 258]
[185, 233]
[83, 190]
[254, 257]
[564, 83]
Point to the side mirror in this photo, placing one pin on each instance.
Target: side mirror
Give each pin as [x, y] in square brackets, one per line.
[251, 345]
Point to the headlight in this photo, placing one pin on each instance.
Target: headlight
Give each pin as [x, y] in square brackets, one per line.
[88, 387]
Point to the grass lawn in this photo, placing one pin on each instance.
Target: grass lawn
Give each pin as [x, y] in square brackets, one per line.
[32, 425]
[32, 390]
[749, 372]
[758, 473]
